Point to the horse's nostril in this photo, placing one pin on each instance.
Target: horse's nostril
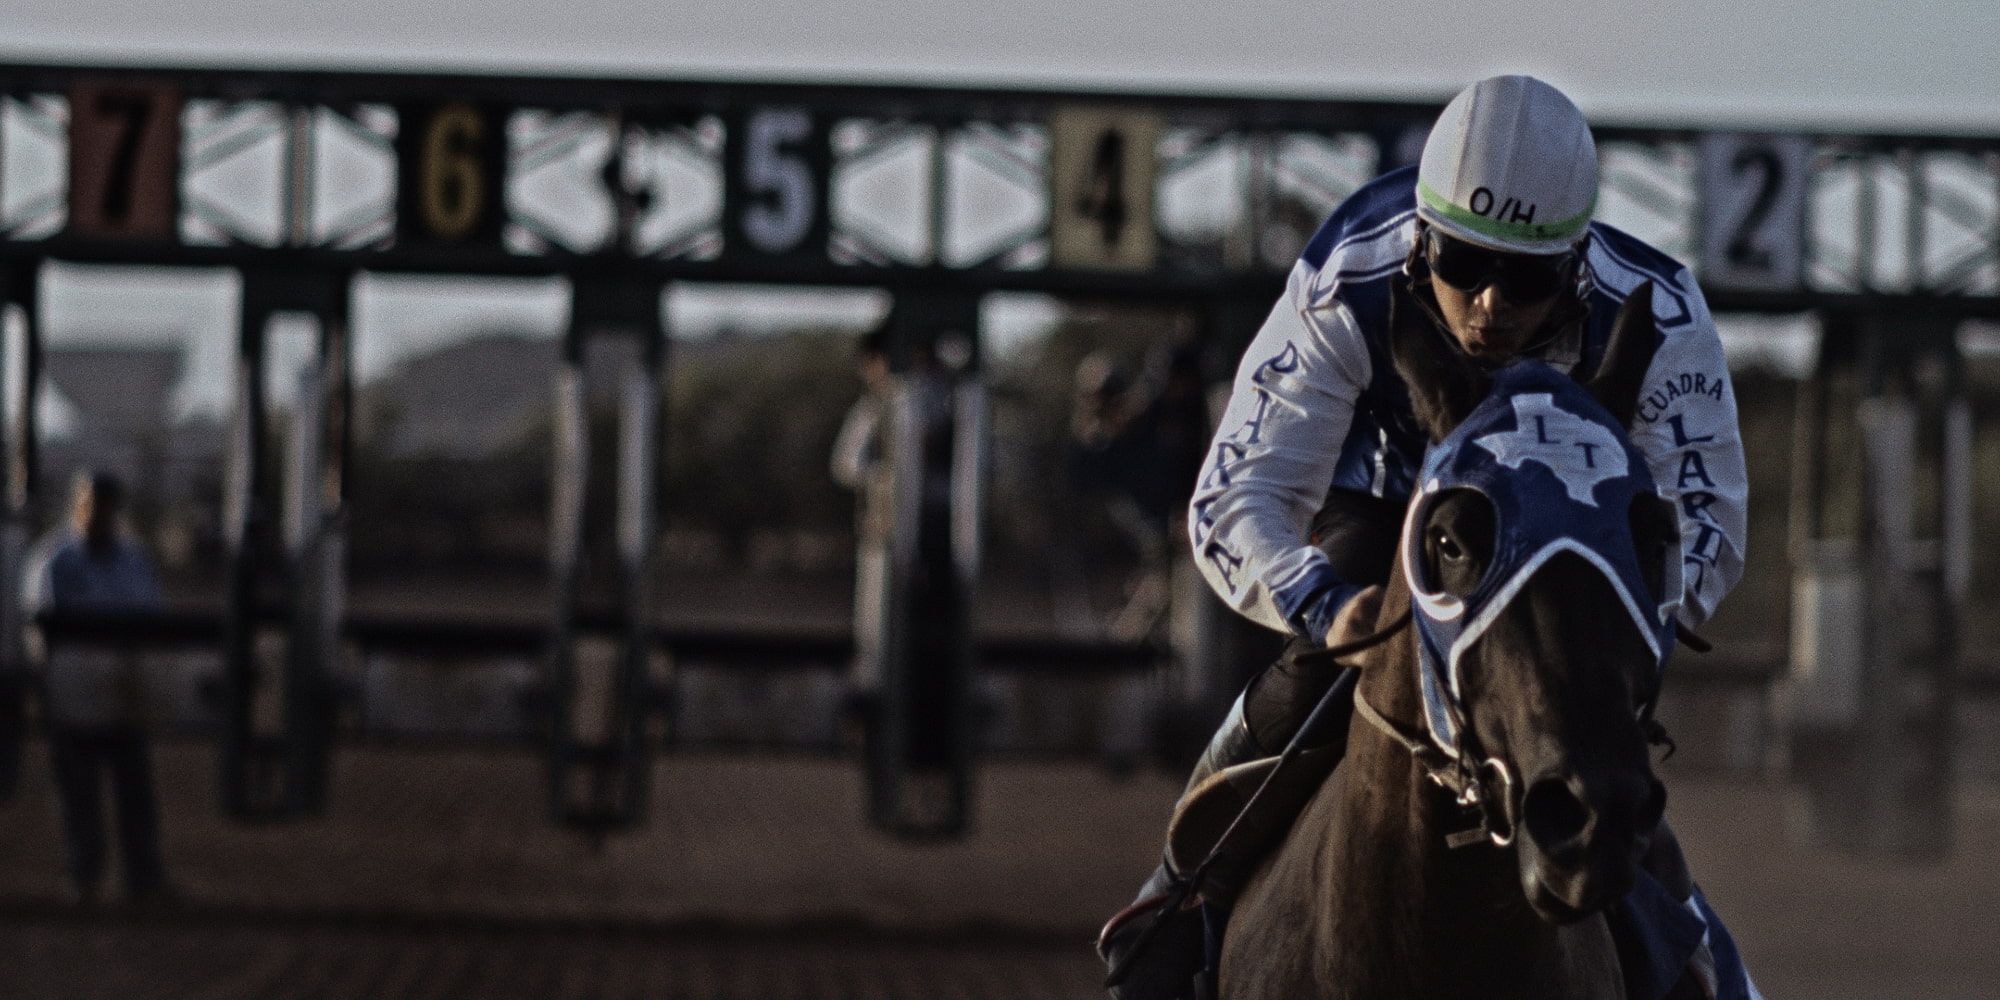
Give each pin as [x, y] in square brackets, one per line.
[1553, 813]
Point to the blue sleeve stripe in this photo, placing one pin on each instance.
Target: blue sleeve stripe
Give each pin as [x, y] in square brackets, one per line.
[1381, 204]
[1310, 600]
[1632, 255]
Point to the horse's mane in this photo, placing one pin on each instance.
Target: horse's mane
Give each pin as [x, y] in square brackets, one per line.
[1445, 383]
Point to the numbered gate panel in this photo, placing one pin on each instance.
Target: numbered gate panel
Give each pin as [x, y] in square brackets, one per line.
[776, 195]
[1101, 167]
[867, 185]
[124, 160]
[452, 178]
[1753, 219]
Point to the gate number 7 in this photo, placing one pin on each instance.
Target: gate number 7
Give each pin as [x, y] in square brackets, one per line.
[132, 112]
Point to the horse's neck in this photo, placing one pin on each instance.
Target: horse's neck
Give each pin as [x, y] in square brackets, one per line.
[1430, 910]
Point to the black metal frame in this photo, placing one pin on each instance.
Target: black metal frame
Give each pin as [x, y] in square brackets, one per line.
[286, 775]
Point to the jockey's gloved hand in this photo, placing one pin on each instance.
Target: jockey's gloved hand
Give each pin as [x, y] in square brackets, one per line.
[1279, 700]
[1356, 619]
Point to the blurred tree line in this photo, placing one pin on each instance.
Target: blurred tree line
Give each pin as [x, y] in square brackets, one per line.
[749, 426]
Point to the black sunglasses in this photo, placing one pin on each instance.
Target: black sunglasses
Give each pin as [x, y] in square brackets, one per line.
[1522, 277]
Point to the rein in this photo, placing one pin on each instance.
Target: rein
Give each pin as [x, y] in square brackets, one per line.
[1191, 883]
[1464, 782]
[1451, 775]
[1468, 791]
[1454, 775]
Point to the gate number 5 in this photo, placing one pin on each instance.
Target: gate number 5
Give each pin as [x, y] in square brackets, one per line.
[778, 179]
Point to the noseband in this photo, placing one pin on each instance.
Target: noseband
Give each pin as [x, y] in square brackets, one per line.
[1469, 783]
[1456, 774]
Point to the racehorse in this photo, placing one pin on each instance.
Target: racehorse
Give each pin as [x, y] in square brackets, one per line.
[1500, 795]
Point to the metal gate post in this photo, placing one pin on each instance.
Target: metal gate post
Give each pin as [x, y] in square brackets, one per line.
[275, 767]
[314, 536]
[1871, 697]
[569, 470]
[920, 732]
[598, 785]
[245, 756]
[20, 364]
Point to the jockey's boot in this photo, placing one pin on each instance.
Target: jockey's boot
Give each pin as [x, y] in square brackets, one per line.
[1175, 955]
[1270, 713]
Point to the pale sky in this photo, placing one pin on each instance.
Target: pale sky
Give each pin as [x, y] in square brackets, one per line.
[1914, 66]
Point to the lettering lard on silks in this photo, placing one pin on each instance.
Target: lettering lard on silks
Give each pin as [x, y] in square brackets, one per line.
[1664, 404]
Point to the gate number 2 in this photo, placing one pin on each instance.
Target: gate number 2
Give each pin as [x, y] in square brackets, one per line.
[1753, 194]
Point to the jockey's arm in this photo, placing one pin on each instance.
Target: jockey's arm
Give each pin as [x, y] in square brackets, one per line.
[1272, 458]
[1686, 427]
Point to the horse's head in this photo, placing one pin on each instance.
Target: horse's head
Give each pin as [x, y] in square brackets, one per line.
[1542, 566]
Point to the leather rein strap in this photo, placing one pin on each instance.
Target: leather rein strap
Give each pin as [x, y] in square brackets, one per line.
[1446, 773]
[1191, 882]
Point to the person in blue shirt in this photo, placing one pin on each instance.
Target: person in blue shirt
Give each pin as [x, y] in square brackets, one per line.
[1490, 239]
[92, 692]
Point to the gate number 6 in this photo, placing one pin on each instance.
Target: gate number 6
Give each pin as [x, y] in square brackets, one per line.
[452, 192]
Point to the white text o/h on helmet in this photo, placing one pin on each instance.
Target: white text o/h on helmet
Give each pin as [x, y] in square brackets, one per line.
[1510, 165]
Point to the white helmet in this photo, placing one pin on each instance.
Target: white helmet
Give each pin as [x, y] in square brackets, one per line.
[1510, 166]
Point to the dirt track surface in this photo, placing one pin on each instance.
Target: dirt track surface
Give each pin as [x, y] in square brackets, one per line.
[436, 875]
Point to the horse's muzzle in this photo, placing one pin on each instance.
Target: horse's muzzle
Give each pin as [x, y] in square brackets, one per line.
[1585, 833]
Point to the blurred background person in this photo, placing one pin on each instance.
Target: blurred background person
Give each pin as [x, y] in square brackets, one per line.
[92, 692]
[858, 463]
[1136, 447]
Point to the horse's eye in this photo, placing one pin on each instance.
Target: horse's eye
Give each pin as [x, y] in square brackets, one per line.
[1446, 546]
[1458, 542]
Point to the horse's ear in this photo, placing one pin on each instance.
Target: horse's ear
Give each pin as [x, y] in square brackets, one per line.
[1622, 374]
[1444, 384]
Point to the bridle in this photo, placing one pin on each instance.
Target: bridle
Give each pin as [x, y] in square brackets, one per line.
[1471, 787]
[1456, 774]
[1466, 783]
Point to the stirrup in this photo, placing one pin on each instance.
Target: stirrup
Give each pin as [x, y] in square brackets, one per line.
[1177, 953]
[1175, 958]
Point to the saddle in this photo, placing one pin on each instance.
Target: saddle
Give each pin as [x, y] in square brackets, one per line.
[1219, 802]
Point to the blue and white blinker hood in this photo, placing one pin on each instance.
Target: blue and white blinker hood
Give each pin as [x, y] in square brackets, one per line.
[1561, 476]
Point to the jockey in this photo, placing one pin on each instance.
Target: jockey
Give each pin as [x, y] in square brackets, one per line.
[1295, 519]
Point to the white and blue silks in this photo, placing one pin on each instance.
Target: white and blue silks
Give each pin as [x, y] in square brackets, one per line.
[1317, 404]
[1561, 477]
